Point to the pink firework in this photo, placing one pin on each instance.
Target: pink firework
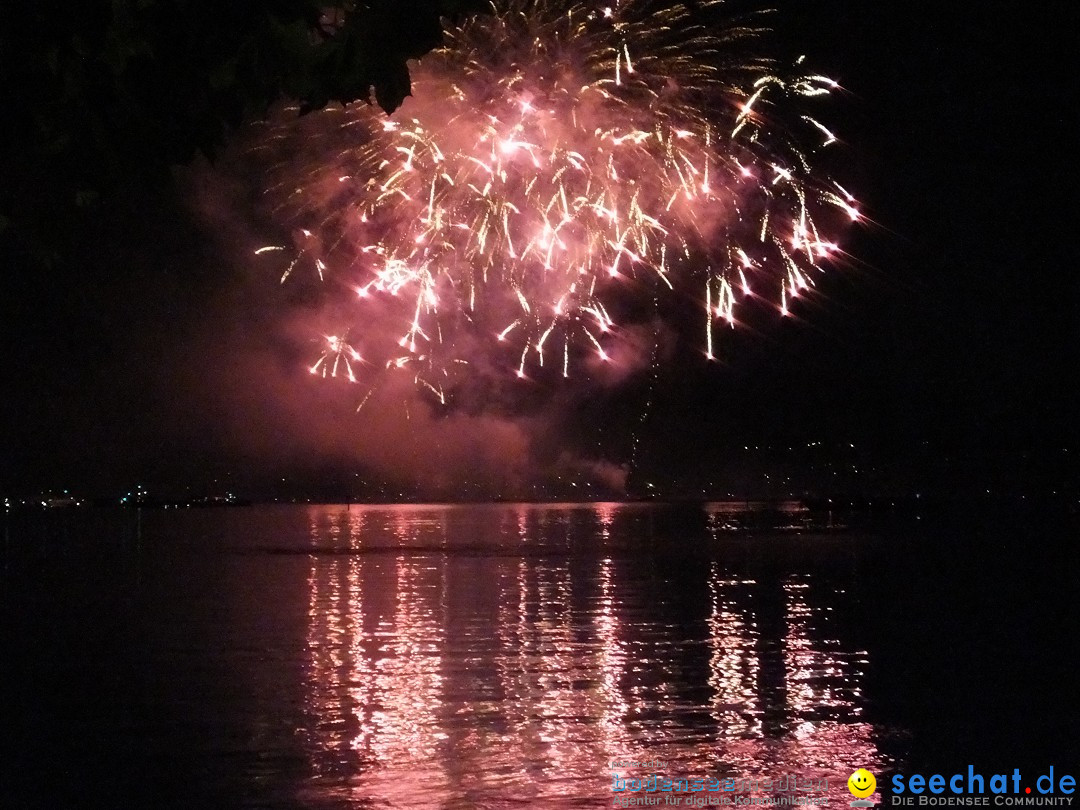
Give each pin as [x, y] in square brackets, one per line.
[552, 154]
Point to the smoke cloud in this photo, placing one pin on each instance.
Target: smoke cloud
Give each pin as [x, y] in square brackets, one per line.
[245, 372]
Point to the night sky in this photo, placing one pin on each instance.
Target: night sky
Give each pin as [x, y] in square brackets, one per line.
[940, 358]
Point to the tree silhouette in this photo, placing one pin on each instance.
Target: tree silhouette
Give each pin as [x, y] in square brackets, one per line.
[104, 94]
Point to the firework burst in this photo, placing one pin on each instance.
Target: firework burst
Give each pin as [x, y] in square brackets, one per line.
[337, 356]
[553, 153]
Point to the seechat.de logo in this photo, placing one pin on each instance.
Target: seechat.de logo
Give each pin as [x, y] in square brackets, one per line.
[974, 788]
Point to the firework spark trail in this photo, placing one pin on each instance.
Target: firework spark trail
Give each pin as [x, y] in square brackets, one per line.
[337, 356]
[551, 154]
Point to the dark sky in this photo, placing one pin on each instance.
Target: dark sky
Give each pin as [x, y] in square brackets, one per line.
[945, 352]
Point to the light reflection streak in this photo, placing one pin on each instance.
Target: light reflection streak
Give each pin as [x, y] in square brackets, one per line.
[733, 670]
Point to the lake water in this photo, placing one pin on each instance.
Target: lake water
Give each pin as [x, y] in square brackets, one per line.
[508, 655]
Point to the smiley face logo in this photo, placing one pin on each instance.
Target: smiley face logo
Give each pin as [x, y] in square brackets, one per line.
[861, 783]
